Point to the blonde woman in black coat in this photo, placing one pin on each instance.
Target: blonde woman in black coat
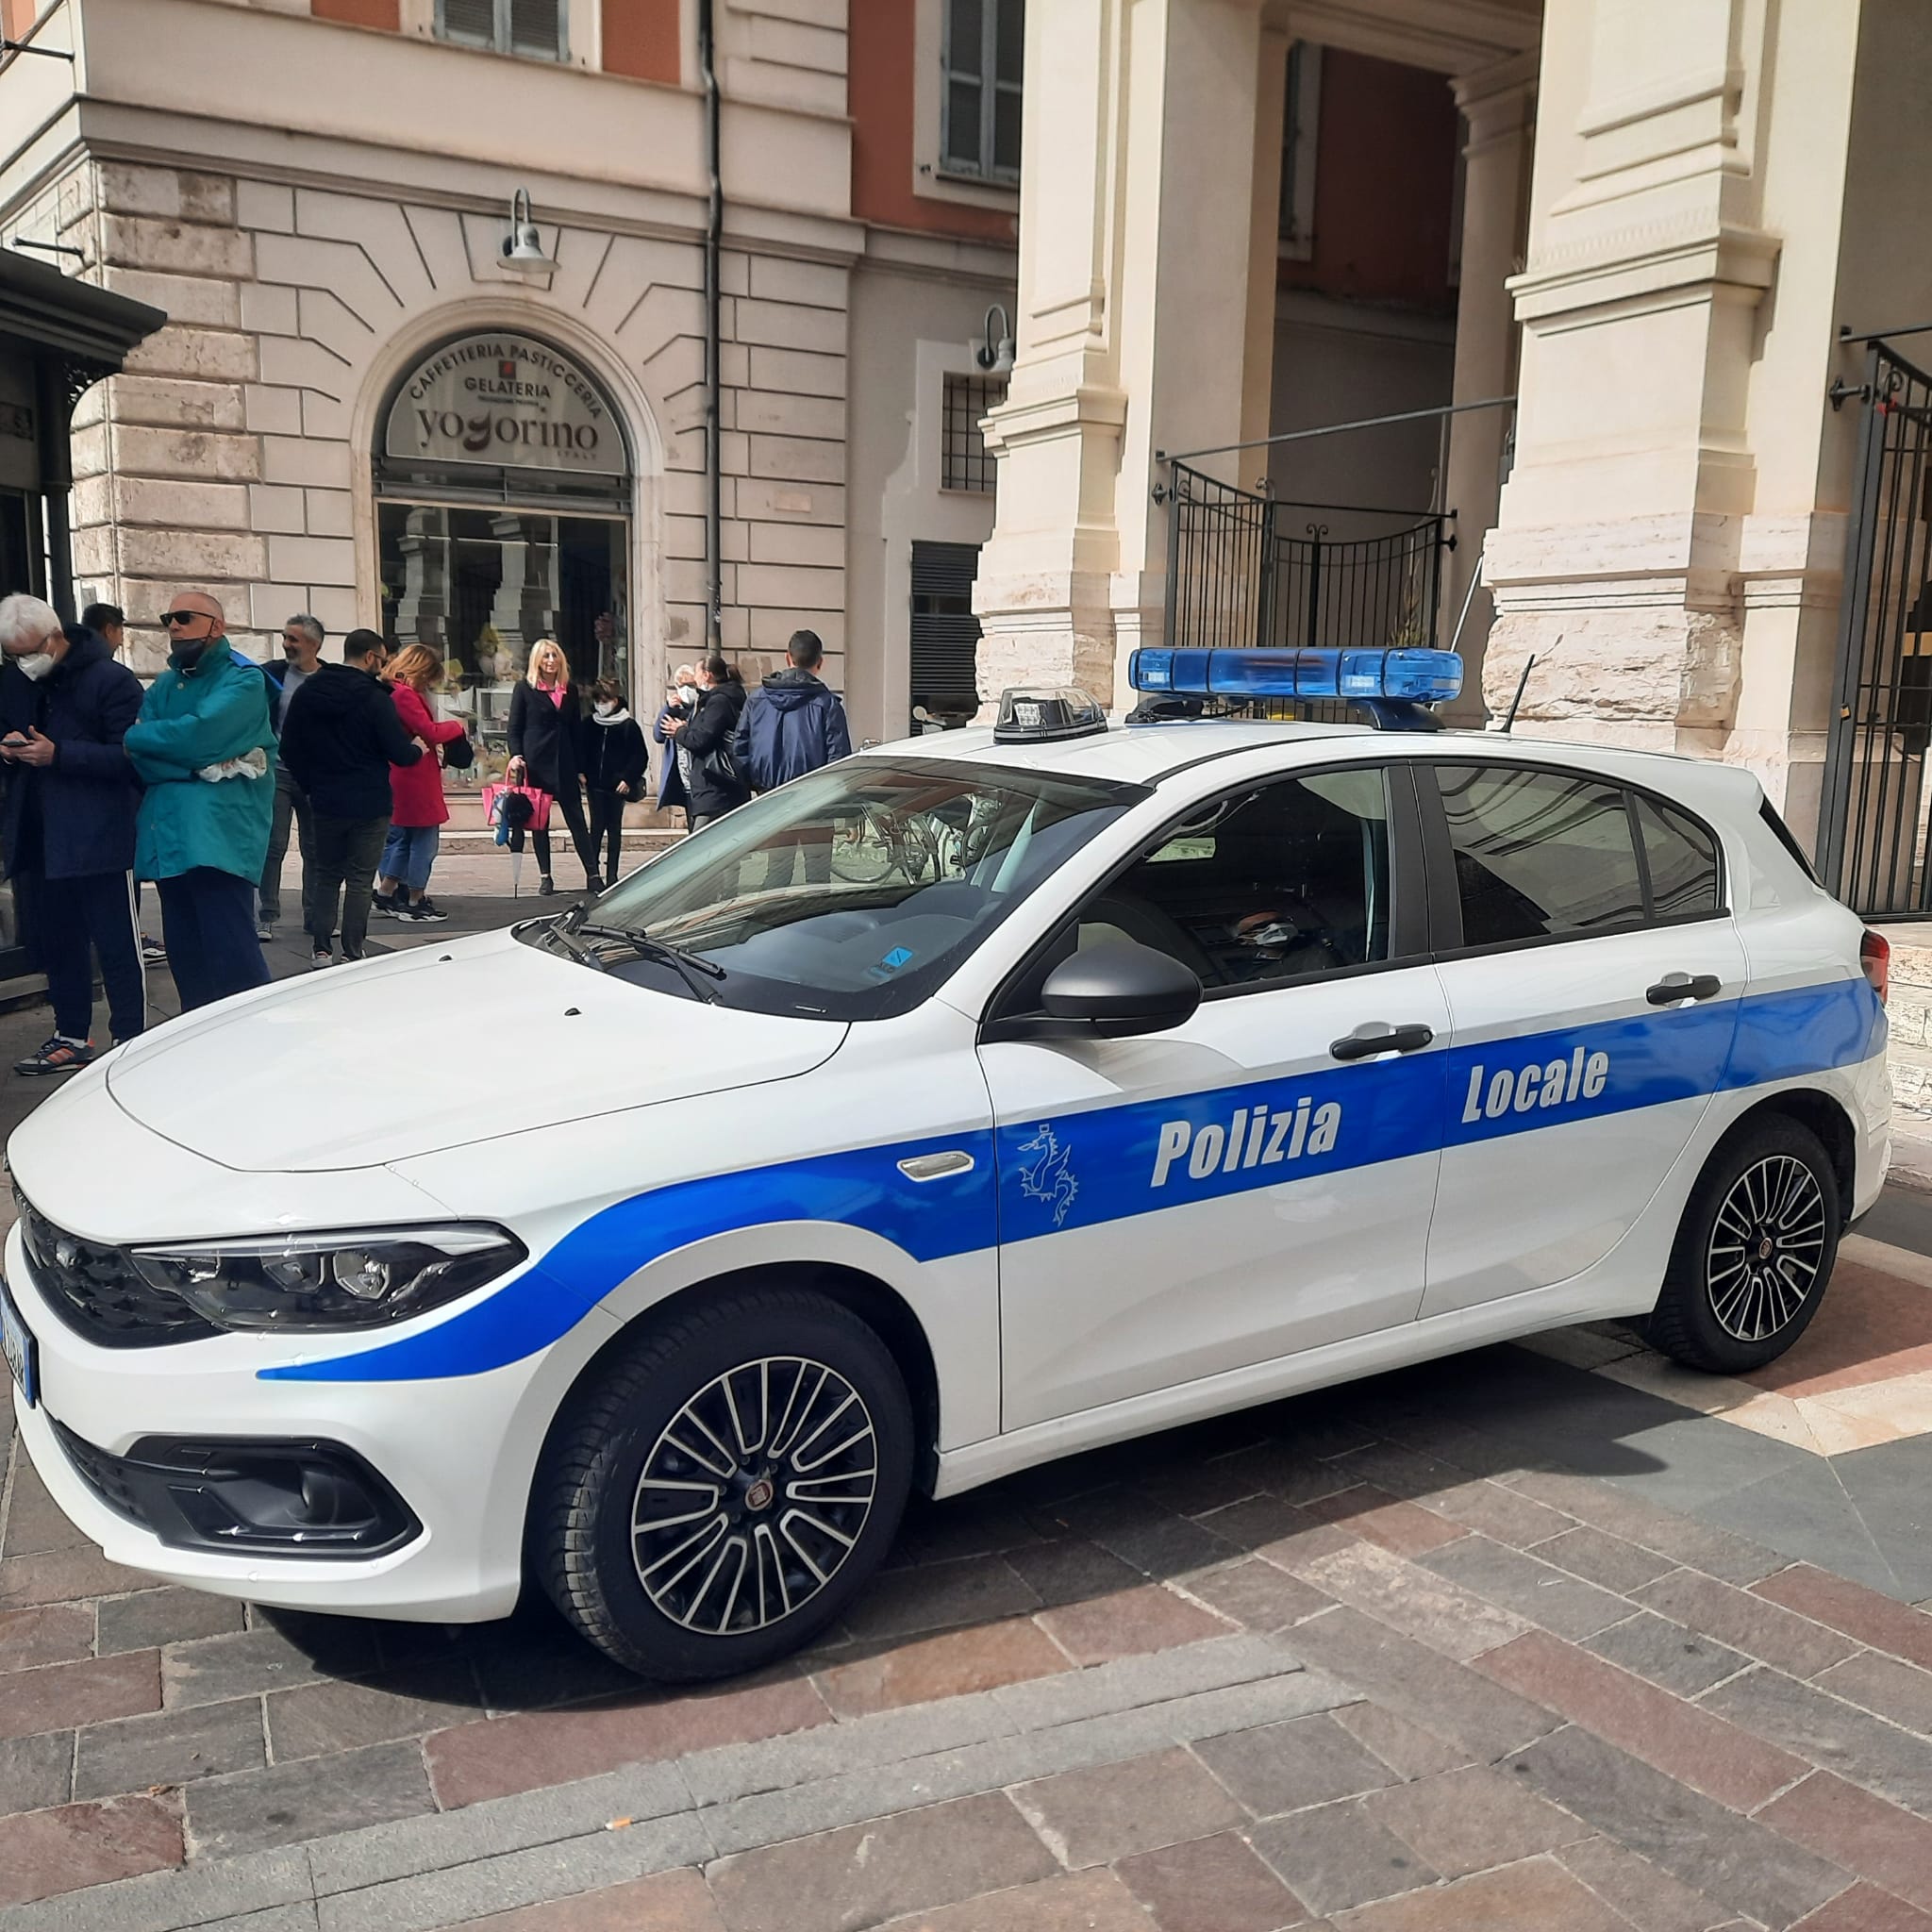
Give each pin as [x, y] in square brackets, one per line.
[546, 749]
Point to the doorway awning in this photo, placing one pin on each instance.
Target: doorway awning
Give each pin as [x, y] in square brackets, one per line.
[90, 329]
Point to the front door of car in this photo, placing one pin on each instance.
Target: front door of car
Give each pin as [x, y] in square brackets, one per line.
[1253, 1182]
[1594, 995]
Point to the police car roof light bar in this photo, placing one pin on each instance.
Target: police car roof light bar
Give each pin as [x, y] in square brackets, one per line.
[1405, 676]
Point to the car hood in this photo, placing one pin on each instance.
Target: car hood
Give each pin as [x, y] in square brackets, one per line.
[437, 1048]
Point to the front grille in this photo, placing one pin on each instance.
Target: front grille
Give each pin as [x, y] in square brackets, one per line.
[104, 1475]
[96, 1290]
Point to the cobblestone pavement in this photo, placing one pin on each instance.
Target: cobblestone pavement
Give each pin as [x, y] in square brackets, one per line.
[1479, 1646]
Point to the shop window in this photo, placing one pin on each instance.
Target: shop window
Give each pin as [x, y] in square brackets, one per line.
[966, 463]
[537, 29]
[982, 62]
[1299, 125]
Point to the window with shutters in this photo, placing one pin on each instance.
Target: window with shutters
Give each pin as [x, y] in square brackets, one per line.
[982, 60]
[539, 29]
[945, 636]
[965, 462]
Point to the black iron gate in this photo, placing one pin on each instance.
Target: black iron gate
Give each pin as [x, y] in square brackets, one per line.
[1873, 825]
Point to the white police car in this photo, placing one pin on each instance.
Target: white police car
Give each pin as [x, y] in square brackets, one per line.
[973, 1101]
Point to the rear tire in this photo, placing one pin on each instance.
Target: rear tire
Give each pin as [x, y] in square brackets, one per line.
[1753, 1252]
[726, 1485]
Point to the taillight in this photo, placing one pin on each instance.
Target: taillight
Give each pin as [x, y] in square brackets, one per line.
[1875, 957]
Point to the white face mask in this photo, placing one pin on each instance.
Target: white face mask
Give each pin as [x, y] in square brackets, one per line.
[604, 708]
[687, 694]
[37, 665]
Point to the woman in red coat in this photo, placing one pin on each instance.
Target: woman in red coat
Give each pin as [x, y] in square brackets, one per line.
[417, 810]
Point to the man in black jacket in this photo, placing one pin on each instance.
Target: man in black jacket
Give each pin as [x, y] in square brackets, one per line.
[340, 738]
[68, 823]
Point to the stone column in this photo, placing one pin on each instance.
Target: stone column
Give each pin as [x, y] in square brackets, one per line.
[1496, 110]
[1137, 238]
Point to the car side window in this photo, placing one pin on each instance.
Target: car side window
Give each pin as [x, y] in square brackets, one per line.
[1278, 883]
[1540, 853]
[1682, 858]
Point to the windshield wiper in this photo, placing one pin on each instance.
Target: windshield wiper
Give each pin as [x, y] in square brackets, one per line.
[560, 930]
[686, 965]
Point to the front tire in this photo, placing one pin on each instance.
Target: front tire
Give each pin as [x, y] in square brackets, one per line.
[726, 1485]
[1753, 1252]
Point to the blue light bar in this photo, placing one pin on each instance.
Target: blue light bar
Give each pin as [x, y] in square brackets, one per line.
[1417, 676]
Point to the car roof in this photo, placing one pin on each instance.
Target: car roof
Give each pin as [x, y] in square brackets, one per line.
[1148, 754]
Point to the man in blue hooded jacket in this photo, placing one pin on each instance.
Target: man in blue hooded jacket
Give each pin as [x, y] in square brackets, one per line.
[793, 723]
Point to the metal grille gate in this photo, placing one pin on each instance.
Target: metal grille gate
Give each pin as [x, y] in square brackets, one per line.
[1873, 829]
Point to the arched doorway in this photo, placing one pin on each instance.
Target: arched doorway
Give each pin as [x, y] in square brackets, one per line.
[504, 495]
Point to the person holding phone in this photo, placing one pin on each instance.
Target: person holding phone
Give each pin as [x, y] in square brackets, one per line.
[680, 701]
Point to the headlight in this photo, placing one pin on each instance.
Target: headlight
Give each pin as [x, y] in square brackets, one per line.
[357, 1279]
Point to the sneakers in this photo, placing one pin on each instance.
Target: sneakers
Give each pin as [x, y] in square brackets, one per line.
[318, 958]
[264, 931]
[152, 951]
[595, 883]
[386, 905]
[426, 908]
[58, 1056]
[545, 886]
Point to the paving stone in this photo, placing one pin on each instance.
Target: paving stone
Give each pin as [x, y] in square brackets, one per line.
[941, 1596]
[1279, 1768]
[1883, 1684]
[944, 1666]
[494, 1756]
[173, 1748]
[1600, 1558]
[1497, 1511]
[1070, 1570]
[976, 1525]
[1738, 1863]
[1536, 1894]
[868, 1872]
[1412, 1600]
[51, 1634]
[35, 1523]
[1667, 1654]
[534, 1661]
[1746, 1622]
[1373, 1513]
[1396, 1469]
[153, 1617]
[254, 1811]
[1194, 1488]
[1257, 1595]
[1162, 1545]
[1466, 1821]
[1079, 1902]
[1686, 1740]
[212, 1670]
[1267, 1524]
[1338, 1855]
[664, 1901]
[1865, 1908]
[44, 1853]
[1697, 1545]
[59, 1576]
[1211, 1885]
[1421, 1684]
[1651, 1899]
[1830, 1733]
[35, 1772]
[1881, 1622]
[1135, 1621]
[1110, 1811]
[1406, 1748]
[1547, 1597]
[1859, 1832]
[56, 1697]
[321, 1718]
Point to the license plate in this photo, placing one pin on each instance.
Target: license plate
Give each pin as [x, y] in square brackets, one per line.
[17, 1345]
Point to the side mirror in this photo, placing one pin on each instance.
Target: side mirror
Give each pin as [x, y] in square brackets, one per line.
[1118, 989]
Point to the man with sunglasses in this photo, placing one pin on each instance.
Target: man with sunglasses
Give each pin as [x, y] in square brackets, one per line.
[205, 748]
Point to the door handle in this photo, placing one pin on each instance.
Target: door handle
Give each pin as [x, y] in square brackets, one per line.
[1378, 1036]
[1674, 987]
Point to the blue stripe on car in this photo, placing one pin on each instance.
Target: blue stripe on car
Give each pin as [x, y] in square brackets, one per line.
[1390, 1109]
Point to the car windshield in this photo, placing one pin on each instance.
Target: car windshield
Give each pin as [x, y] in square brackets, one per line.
[849, 893]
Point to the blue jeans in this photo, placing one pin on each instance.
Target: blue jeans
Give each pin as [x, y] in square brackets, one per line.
[407, 854]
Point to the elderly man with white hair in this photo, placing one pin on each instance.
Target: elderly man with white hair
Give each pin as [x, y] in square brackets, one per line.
[68, 823]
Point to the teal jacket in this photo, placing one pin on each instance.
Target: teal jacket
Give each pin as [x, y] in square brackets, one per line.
[214, 710]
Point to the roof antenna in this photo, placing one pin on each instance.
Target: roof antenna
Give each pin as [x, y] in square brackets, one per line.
[1529, 665]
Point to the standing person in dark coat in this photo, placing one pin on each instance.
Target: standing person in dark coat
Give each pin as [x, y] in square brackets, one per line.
[546, 750]
[68, 824]
[615, 769]
[301, 638]
[681, 702]
[793, 723]
[704, 744]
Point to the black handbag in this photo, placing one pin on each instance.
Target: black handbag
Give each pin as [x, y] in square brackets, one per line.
[459, 755]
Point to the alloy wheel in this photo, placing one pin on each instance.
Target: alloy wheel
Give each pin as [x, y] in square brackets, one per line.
[754, 1496]
[1767, 1242]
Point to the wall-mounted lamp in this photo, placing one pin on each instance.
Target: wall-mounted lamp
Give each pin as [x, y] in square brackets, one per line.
[997, 353]
[523, 247]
